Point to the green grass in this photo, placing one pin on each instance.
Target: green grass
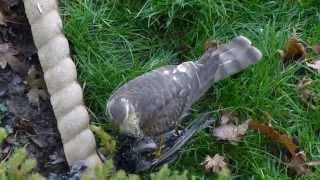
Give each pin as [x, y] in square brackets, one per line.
[115, 41]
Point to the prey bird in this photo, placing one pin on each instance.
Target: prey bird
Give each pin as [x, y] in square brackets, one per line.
[148, 109]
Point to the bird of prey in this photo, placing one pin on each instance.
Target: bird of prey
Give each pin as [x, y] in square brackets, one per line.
[148, 109]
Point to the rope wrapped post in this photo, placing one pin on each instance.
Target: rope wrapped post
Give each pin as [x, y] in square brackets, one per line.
[60, 75]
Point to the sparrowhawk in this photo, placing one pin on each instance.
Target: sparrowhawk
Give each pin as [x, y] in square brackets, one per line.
[148, 108]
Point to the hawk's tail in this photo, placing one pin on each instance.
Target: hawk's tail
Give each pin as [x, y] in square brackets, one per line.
[236, 56]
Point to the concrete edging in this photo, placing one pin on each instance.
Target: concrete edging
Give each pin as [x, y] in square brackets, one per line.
[60, 75]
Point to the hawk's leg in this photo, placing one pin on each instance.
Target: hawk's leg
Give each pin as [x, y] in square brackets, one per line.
[161, 145]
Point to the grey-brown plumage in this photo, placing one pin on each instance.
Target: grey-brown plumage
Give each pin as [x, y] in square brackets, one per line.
[155, 102]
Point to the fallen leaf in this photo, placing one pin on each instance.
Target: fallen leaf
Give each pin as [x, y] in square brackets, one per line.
[6, 152]
[15, 64]
[6, 5]
[229, 117]
[19, 106]
[212, 44]
[3, 108]
[214, 164]
[229, 129]
[297, 160]
[315, 65]
[11, 139]
[316, 49]
[2, 19]
[316, 62]
[294, 50]
[313, 163]
[307, 96]
[54, 159]
[5, 58]
[275, 136]
[25, 125]
[231, 132]
[34, 95]
[298, 165]
[38, 141]
[12, 3]
[37, 86]
[5, 47]
[34, 79]
[8, 57]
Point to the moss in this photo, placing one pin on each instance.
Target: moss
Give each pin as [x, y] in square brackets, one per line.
[17, 167]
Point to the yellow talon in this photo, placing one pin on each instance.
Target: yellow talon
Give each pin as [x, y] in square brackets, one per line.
[157, 152]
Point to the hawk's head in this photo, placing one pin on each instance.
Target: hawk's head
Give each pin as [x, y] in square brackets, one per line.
[122, 114]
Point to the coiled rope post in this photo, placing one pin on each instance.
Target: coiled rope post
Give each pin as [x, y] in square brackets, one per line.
[60, 75]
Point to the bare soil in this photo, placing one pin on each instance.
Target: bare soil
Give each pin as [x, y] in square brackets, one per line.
[29, 119]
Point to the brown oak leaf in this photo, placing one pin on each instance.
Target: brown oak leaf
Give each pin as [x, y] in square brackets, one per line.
[296, 160]
[211, 44]
[269, 131]
[294, 51]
